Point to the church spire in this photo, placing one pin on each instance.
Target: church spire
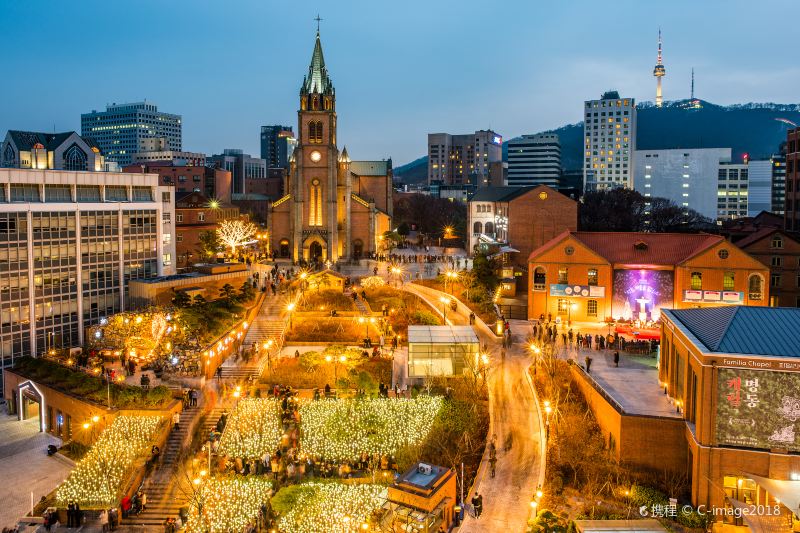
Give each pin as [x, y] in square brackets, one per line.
[317, 80]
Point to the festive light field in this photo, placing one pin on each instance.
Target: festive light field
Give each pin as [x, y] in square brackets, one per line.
[332, 508]
[97, 477]
[228, 504]
[253, 428]
[344, 429]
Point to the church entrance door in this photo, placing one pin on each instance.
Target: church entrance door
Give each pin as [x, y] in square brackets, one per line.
[315, 251]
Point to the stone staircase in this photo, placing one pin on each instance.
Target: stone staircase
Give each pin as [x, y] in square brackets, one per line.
[269, 324]
[162, 502]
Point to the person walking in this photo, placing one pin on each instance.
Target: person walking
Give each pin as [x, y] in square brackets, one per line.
[616, 358]
[479, 508]
[492, 465]
[588, 361]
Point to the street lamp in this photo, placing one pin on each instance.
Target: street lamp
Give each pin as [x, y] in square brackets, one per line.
[445, 303]
[547, 410]
[450, 275]
[290, 308]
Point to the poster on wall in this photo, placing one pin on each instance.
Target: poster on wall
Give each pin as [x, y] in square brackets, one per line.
[641, 294]
[758, 409]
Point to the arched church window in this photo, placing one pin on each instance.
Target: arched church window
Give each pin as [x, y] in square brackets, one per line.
[315, 204]
[284, 248]
[315, 103]
[9, 159]
[74, 158]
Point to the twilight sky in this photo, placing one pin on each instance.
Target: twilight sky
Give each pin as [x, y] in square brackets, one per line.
[401, 68]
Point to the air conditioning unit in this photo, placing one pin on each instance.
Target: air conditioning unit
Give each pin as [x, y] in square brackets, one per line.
[424, 469]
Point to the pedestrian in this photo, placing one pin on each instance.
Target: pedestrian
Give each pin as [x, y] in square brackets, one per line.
[479, 509]
[616, 359]
[70, 514]
[474, 502]
[588, 361]
[143, 499]
[103, 519]
[176, 420]
[492, 465]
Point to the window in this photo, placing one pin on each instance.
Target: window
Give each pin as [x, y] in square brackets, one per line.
[315, 204]
[75, 158]
[179, 237]
[592, 277]
[777, 261]
[563, 277]
[315, 132]
[489, 228]
[727, 281]
[755, 287]
[165, 197]
[179, 217]
[57, 193]
[775, 280]
[697, 281]
[477, 228]
[539, 279]
[201, 216]
[24, 192]
[87, 193]
[166, 217]
[166, 259]
[591, 308]
[563, 306]
[777, 241]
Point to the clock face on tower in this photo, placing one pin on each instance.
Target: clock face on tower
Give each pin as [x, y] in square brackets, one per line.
[315, 156]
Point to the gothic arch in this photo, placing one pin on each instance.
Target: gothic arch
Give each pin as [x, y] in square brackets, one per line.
[75, 158]
[315, 240]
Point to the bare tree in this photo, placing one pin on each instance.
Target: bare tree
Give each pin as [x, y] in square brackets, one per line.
[236, 232]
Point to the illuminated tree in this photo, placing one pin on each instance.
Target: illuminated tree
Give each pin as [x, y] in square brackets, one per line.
[235, 233]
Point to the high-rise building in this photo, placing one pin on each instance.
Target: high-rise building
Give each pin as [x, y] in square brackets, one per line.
[241, 166]
[759, 186]
[732, 190]
[463, 159]
[609, 142]
[277, 145]
[122, 129]
[778, 182]
[51, 151]
[791, 213]
[534, 160]
[69, 244]
[687, 176]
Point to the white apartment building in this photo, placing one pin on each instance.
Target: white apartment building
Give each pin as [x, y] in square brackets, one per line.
[463, 159]
[732, 190]
[534, 160]
[609, 142]
[688, 177]
[69, 243]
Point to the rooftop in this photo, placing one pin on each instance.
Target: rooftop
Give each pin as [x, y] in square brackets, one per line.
[442, 334]
[418, 477]
[768, 331]
[648, 525]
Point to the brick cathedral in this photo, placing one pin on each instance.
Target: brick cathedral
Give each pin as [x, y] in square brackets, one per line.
[334, 208]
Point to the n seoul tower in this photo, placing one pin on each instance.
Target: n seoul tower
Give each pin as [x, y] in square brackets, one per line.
[659, 71]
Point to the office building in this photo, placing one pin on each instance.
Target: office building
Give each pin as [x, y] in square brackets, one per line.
[778, 182]
[731, 375]
[609, 142]
[688, 177]
[759, 186]
[732, 190]
[792, 205]
[157, 149]
[241, 166]
[51, 151]
[69, 244]
[534, 160]
[277, 145]
[463, 159]
[213, 182]
[598, 276]
[123, 129]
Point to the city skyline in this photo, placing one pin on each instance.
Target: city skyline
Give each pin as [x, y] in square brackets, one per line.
[433, 71]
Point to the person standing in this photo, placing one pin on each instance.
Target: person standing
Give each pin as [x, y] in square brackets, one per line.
[588, 361]
[616, 358]
[479, 508]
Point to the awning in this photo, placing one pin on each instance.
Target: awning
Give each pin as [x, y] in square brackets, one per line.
[788, 492]
[761, 523]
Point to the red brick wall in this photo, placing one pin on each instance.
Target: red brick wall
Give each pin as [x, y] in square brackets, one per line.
[533, 221]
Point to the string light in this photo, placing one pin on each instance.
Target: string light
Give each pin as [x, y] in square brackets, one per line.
[253, 428]
[331, 507]
[227, 504]
[96, 479]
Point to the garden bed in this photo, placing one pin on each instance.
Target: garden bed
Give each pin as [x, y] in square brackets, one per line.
[325, 300]
[230, 503]
[312, 371]
[330, 507]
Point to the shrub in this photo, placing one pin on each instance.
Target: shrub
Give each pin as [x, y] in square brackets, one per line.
[693, 519]
[424, 318]
[647, 496]
[326, 300]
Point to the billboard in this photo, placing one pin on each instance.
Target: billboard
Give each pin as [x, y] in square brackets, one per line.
[577, 291]
[641, 294]
[758, 409]
[694, 295]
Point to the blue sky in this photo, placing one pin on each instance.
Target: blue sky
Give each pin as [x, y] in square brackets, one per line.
[401, 69]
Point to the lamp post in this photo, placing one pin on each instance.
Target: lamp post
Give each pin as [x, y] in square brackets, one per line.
[445, 303]
[451, 275]
[547, 410]
[341, 359]
[290, 308]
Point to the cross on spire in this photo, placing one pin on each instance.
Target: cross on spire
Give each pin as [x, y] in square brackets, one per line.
[318, 21]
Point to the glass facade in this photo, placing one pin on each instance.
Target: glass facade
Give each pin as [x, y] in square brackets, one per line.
[441, 350]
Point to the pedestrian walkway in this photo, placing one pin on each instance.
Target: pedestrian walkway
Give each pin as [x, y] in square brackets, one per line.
[269, 324]
[163, 501]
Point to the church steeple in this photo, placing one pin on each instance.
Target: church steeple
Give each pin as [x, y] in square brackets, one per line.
[317, 81]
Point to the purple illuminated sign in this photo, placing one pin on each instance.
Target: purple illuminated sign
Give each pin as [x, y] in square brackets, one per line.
[641, 294]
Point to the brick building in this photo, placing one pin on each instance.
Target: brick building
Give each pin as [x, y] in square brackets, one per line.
[586, 276]
[212, 182]
[333, 208]
[194, 214]
[522, 218]
[733, 374]
[780, 250]
[792, 205]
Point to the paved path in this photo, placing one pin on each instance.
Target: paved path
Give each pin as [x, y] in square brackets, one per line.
[515, 416]
[25, 467]
[268, 324]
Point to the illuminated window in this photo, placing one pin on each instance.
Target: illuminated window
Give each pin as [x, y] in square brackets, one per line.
[563, 306]
[592, 276]
[727, 281]
[755, 287]
[315, 204]
[591, 308]
[539, 279]
[315, 132]
[563, 275]
[697, 281]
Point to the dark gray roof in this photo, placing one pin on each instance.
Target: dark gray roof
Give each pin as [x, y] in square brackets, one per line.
[370, 168]
[24, 140]
[771, 331]
[499, 194]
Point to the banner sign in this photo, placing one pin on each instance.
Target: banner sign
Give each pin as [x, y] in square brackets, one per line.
[731, 297]
[577, 291]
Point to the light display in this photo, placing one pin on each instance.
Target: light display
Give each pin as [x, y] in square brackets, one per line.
[341, 430]
[227, 504]
[332, 508]
[641, 294]
[96, 479]
[253, 428]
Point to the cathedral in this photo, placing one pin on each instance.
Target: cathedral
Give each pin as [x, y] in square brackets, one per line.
[334, 208]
